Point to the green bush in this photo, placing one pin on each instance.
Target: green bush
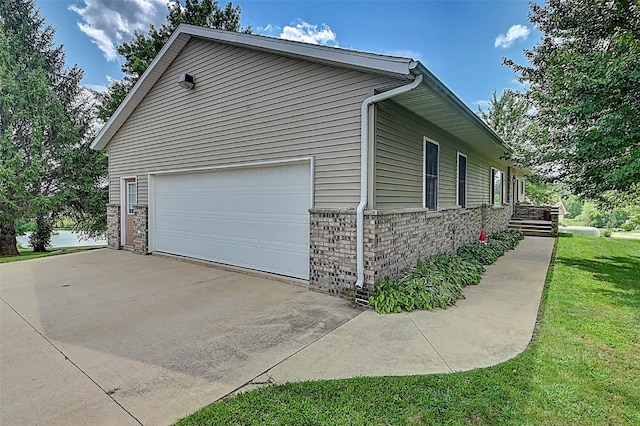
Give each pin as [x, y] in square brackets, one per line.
[438, 282]
[632, 223]
[606, 233]
[24, 226]
[511, 237]
[478, 252]
[40, 238]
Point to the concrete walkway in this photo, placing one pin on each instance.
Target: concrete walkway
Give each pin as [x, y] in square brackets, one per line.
[493, 324]
[108, 337]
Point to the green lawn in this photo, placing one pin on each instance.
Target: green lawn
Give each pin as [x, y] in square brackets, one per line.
[583, 367]
[27, 253]
[574, 222]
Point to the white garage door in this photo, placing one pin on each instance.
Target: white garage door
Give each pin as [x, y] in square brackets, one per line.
[254, 217]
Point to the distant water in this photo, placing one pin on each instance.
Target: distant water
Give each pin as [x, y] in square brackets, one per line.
[66, 239]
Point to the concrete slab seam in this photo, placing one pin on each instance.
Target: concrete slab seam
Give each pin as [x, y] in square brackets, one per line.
[71, 361]
[271, 380]
[430, 344]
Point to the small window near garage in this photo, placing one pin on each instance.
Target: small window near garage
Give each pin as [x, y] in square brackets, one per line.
[132, 196]
[497, 178]
[462, 180]
[431, 151]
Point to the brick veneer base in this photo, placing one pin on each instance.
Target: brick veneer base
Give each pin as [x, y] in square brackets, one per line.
[113, 226]
[394, 240]
[140, 229]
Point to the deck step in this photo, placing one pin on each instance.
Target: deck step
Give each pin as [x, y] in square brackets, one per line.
[534, 228]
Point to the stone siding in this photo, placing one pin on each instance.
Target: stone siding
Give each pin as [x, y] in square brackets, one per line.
[394, 240]
[113, 226]
[140, 229]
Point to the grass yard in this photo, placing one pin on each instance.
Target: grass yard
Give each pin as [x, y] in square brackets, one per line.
[27, 253]
[582, 368]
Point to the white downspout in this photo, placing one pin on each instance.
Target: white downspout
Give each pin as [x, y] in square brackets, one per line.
[364, 168]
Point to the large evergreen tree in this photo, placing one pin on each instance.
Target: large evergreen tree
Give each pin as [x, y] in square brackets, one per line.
[140, 52]
[584, 83]
[46, 165]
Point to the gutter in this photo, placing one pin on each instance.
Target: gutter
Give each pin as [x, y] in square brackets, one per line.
[364, 168]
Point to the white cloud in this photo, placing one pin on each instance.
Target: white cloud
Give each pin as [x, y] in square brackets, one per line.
[108, 23]
[308, 33]
[516, 32]
[269, 29]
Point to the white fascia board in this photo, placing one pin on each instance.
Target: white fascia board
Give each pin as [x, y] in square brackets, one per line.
[345, 57]
[184, 32]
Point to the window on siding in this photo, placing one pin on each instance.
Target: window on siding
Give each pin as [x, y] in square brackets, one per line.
[497, 178]
[431, 158]
[462, 180]
[132, 192]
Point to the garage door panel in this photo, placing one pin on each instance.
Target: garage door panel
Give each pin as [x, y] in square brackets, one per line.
[250, 217]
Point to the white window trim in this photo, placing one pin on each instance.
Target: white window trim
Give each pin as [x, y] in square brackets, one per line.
[466, 201]
[424, 172]
[123, 206]
[491, 188]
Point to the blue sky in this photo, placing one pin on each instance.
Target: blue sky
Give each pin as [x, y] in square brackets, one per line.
[461, 41]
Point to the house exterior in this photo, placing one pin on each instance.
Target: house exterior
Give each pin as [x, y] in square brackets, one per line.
[328, 165]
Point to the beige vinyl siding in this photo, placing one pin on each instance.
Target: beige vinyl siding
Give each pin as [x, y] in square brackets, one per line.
[399, 157]
[248, 106]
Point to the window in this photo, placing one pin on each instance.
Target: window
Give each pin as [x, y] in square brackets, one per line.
[430, 185]
[462, 180]
[132, 196]
[497, 178]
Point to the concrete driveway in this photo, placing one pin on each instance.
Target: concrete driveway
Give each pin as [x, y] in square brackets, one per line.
[109, 337]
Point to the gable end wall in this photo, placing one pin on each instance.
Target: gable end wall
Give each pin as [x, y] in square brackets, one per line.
[248, 106]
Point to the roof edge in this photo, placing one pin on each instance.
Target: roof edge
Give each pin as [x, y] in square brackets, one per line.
[184, 32]
[355, 58]
[126, 107]
[431, 79]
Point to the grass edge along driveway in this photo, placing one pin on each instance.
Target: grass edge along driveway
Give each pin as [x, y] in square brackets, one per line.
[581, 367]
[28, 254]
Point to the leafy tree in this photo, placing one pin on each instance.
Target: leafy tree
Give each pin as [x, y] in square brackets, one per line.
[509, 116]
[140, 52]
[573, 206]
[539, 192]
[584, 84]
[47, 166]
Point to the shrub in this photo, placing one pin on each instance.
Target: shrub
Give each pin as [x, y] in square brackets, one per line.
[40, 239]
[632, 223]
[458, 269]
[606, 233]
[478, 252]
[511, 237]
[438, 282]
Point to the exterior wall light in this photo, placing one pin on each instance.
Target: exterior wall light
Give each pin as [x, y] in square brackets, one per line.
[186, 81]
